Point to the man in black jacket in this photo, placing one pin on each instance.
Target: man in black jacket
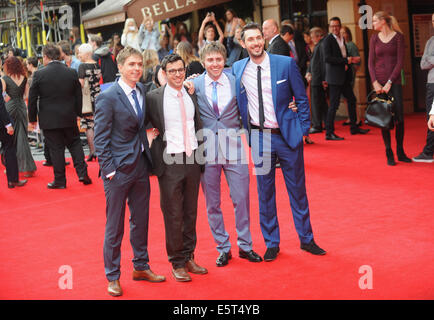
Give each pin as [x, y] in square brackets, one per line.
[104, 59]
[276, 45]
[338, 77]
[316, 76]
[60, 102]
[297, 47]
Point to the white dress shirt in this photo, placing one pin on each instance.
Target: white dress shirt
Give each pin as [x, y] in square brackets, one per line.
[128, 92]
[224, 91]
[341, 44]
[173, 121]
[250, 83]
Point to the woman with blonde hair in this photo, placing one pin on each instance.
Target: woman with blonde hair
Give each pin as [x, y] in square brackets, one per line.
[192, 63]
[386, 60]
[150, 61]
[130, 36]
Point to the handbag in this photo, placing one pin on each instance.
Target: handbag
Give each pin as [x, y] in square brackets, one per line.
[380, 111]
[87, 101]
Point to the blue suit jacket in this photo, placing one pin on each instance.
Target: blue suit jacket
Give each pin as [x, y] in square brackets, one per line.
[118, 134]
[286, 83]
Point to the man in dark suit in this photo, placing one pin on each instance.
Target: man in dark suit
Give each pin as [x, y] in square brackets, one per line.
[276, 45]
[316, 76]
[265, 85]
[9, 150]
[297, 46]
[60, 102]
[338, 77]
[175, 113]
[123, 153]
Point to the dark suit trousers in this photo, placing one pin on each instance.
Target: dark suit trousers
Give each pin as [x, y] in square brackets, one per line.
[57, 140]
[335, 95]
[135, 188]
[429, 146]
[10, 155]
[179, 190]
[319, 106]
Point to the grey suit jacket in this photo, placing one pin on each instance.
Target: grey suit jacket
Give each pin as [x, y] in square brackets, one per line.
[227, 142]
[119, 136]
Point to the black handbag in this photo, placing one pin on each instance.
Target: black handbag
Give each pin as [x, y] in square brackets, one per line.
[380, 111]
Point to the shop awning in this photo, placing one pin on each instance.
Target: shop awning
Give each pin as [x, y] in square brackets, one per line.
[160, 10]
[107, 13]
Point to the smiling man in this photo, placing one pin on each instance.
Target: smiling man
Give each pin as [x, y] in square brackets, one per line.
[123, 153]
[174, 112]
[265, 86]
[218, 108]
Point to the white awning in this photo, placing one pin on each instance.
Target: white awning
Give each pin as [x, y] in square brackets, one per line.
[106, 8]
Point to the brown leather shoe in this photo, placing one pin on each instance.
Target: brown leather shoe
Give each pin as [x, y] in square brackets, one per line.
[193, 267]
[114, 288]
[147, 275]
[181, 275]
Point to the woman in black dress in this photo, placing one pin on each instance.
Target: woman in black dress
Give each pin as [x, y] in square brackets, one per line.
[89, 74]
[14, 83]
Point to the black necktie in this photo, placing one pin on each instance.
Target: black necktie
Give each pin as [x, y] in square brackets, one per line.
[261, 102]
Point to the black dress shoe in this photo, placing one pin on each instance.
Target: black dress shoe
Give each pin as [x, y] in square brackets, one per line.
[54, 185]
[251, 255]
[47, 164]
[314, 130]
[85, 180]
[313, 248]
[271, 254]
[360, 131]
[19, 183]
[334, 137]
[223, 259]
[402, 156]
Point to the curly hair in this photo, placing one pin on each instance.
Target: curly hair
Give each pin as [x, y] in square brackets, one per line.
[14, 67]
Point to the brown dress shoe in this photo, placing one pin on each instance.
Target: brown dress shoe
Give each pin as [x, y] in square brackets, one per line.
[147, 275]
[181, 275]
[114, 288]
[193, 267]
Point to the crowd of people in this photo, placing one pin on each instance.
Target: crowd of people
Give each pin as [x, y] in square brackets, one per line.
[144, 100]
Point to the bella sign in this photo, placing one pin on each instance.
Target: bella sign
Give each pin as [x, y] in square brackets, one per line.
[161, 10]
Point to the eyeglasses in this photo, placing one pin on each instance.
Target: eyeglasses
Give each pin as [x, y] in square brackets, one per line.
[172, 72]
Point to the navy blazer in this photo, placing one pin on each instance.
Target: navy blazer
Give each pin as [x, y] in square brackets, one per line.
[118, 134]
[286, 83]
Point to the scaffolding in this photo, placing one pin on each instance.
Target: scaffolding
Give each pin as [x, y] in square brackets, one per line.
[34, 23]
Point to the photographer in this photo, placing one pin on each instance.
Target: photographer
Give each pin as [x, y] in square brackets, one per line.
[207, 32]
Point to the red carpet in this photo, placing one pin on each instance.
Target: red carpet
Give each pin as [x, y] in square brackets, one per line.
[363, 212]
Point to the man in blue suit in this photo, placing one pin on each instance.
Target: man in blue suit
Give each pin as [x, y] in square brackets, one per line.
[218, 109]
[125, 161]
[265, 86]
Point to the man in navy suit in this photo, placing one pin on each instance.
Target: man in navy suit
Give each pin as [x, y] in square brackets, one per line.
[265, 86]
[125, 162]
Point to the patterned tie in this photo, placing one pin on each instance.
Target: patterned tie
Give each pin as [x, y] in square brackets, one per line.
[187, 144]
[215, 98]
[139, 110]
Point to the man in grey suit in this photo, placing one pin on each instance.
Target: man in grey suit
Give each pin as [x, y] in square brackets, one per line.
[220, 117]
[123, 153]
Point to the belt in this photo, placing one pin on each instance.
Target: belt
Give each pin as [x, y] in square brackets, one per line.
[272, 130]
